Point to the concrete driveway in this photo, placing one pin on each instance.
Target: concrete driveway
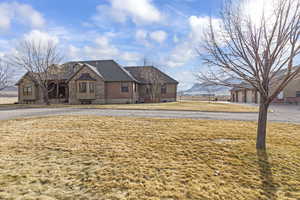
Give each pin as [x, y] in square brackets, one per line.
[282, 113]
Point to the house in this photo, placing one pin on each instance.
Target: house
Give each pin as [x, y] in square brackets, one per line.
[247, 94]
[98, 82]
[244, 94]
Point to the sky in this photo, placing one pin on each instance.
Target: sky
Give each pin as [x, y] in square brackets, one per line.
[165, 33]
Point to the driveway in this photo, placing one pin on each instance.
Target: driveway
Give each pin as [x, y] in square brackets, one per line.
[282, 113]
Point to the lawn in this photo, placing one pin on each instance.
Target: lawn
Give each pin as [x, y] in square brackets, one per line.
[87, 157]
[8, 100]
[180, 105]
[186, 105]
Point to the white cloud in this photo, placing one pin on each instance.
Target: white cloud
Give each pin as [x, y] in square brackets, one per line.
[199, 25]
[181, 54]
[5, 16]
[131, 57]
[185, 50]
[73, 52]
[255, 9]
[18, 12]
[27, 14]
[140, 12]
[186, 79]
[102, 41]
[42, 37]
[101, 48]
[158, 36]
[141, 35]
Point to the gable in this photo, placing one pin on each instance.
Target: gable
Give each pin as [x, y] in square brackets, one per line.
[85, 72]
[26, 78]
[108, 69]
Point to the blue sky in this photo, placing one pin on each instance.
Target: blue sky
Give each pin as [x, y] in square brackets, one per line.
[165, 32]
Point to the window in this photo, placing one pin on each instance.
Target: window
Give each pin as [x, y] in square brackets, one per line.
[92, 87]
[82, 87]
[297, 93]
[163, 89]
[27, 91]
[124, 87]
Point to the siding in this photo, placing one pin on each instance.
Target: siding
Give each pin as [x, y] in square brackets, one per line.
[292, 88]
[36, 97]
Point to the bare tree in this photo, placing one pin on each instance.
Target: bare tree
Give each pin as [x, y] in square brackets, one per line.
[260, 52]
[39, 59]
[155, 85]
[5, 75]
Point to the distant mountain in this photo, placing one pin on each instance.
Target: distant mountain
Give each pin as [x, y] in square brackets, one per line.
[9, 92]
[203, 89]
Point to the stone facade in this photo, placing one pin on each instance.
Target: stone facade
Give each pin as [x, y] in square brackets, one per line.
[34, 97]
[99, 88]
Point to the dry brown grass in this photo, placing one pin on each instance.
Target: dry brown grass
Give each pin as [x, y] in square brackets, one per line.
[81, 157]
[186, 105]
[8, 100]
[180, 105]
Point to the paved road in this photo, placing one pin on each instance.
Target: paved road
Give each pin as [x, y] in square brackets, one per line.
[281, 113]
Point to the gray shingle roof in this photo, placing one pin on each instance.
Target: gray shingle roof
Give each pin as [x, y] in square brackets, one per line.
[140, 74]
[108, 69]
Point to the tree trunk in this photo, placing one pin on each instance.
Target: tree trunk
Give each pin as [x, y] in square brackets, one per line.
[45, 96]
[262, 125]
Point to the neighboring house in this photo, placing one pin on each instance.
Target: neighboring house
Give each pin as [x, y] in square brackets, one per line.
[97, 82]
[247, 94]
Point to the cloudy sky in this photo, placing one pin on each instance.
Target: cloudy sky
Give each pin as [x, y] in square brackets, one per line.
[165, 32]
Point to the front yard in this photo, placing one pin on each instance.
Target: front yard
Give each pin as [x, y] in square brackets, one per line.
[179, 105]
[86, 157]
[186, 105]
[8, 100]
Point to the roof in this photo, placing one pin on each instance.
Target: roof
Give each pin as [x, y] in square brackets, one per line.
[108, 69]
[141, 74]
[86, 77]
[34, 77]
[242, 86]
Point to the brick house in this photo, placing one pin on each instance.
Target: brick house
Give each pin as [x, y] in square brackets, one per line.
[97, 82]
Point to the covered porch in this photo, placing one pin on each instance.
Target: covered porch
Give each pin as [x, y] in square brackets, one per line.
[58, 91]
